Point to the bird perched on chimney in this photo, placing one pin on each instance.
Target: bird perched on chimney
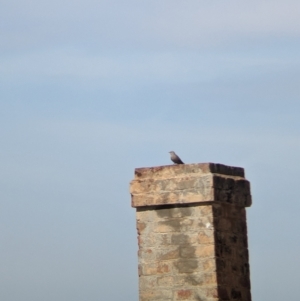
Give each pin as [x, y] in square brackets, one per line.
[175, 158]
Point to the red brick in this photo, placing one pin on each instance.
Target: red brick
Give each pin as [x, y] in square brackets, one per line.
[184, 294]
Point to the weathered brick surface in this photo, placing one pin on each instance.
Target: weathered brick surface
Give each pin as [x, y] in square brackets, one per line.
[231, 249]
[192, 232]
[189, 183]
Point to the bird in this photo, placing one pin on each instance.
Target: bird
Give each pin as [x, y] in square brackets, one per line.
[175, 158]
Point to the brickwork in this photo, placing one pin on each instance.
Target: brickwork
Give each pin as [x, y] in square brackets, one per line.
[192, 232]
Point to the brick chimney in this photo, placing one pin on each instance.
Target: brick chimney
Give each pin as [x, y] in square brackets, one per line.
[192, 232]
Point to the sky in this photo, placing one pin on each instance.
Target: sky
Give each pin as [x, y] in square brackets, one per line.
[91, 90]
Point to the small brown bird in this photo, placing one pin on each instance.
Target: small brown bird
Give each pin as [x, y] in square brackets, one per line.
[175, 158]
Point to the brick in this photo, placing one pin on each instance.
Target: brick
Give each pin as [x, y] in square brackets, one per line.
[168, 253]
[209, 264]
[184, 295]
[204, 211]
[205, 251]
[147, 283]
[235, 294]
[212, 292]
[244, 281]
[171, 225]
[246, 295]
[165, 281]
[223, 293]
[174, 212]
[155, 295]
[140, 226]
[163, 239]
[188, 224]
[156, 268]
[206, 237]
[147, 254]
[147, 241]
[180, 239]
[187, 265]
[225, 224]
[199, 279]
[145, 215]
[191, 295]
[187, 252]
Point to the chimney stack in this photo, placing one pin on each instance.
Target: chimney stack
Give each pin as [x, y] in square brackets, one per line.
[192, 232]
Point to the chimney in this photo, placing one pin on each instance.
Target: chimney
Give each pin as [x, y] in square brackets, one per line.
[192, 232]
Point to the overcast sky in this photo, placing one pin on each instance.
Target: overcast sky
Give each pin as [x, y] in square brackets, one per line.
[90, 90]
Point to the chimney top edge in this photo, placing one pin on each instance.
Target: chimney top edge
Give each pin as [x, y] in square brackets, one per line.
[181, 169]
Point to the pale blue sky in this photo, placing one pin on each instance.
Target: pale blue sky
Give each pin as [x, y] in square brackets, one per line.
[90, 90]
